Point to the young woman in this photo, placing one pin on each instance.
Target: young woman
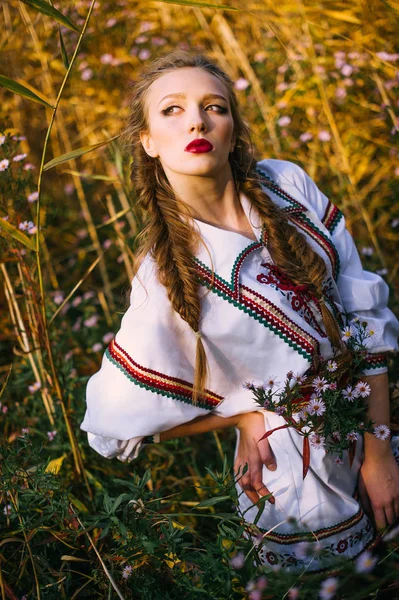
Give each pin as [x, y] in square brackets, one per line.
[245, 270]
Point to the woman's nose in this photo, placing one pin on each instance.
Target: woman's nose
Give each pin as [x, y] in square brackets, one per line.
[197, 122]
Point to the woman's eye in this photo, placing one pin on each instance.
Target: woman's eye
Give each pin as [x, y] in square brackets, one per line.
[221, 109]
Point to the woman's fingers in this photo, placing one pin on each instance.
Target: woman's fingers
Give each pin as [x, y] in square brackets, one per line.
[379, 516]
[266, 454]
[390, 514]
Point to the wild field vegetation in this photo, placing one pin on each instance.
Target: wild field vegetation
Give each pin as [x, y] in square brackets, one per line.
[318, 83]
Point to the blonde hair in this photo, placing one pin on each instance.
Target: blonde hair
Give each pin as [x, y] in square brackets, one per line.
[173, 242]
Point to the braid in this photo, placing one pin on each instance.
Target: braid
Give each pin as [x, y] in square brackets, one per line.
[171, 242]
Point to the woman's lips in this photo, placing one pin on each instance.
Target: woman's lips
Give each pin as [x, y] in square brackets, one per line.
[199, 145]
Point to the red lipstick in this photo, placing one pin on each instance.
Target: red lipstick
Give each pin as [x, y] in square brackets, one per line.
[199, 145]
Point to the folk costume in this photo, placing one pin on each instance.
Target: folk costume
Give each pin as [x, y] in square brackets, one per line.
[254, 323]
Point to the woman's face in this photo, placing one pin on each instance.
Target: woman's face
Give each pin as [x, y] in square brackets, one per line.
[196, 106]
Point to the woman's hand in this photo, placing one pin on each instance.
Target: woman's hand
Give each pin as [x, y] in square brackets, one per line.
[252, 428]
[379, 489]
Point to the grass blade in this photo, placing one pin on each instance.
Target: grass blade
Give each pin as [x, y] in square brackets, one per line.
[50, 11]
[75, 153]
[17, 234]
[22, 90]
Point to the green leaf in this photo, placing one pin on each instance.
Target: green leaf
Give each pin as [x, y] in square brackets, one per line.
[17, 234]
[90, 175]
[75, 153]
[50, 11]
[20, 89]
[199, 4]
[212, 501]
[63, 50]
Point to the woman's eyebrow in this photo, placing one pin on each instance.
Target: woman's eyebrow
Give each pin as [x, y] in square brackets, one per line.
[181, 95]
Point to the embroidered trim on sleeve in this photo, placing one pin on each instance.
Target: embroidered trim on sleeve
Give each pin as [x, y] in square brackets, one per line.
[156, 382]
[331, 217]
[375, 361]
[297, 213]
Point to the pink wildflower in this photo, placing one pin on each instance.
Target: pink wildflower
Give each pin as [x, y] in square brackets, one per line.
[338, 461]
[350, 393]
[324, 136]
[34, 387]
[270, 383]
[317, 440]
[19, 157]
[33, 196]
[91, 321]
[284, 121]
[320, 384]
[316, 407]
[237, 562]
[306, 137]
[352, 436]
[51, 435]
[241, 84]
[127, 571]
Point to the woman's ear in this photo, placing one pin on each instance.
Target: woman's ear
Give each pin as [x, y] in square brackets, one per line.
[148, 144]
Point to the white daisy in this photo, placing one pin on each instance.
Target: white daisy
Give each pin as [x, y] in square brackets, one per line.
[382, 432]
[338, 461]
[328, 588]
[350, 393]
[332, 366]
[366, 562]
[299, 379]
[316, 407]
[352, 436]
[316, 440]
[347, 333]
[303, 415]
[270, 382]
[363, 389]
[4, 164]
[320, 384]
[247, 385]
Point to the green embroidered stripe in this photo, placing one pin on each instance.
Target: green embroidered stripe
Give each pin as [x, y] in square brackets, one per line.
[254, 315]
[152, 388]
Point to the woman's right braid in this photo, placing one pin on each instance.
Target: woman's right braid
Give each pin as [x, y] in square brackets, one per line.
[171, 242]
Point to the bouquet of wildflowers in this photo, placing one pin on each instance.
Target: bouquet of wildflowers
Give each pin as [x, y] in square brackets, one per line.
[326, 408]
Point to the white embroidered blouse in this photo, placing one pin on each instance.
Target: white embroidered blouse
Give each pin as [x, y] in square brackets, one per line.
[253, 322]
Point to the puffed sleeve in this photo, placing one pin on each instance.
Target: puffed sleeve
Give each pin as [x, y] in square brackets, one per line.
[145, 382]
[364, 294]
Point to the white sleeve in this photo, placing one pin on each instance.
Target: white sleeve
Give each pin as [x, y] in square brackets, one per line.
[364, 294]
[144, 385]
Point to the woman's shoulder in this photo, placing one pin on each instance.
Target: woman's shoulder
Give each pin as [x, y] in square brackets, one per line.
[289, 181]
[283, 171]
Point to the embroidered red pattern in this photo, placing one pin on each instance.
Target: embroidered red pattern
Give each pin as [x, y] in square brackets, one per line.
[297, 295]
